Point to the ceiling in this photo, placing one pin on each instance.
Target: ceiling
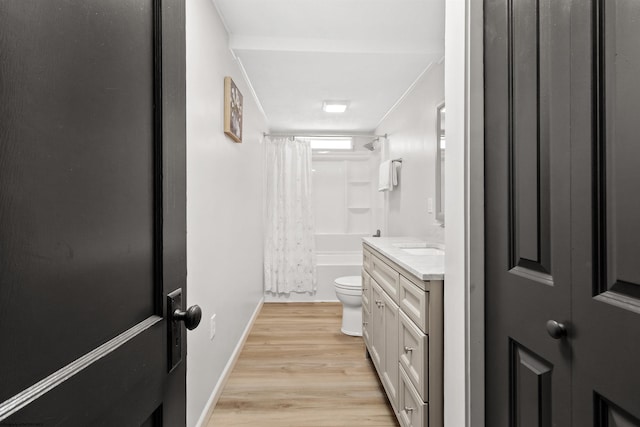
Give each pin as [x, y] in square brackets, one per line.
[298, 53]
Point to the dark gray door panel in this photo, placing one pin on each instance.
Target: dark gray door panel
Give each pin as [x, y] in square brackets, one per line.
[92, 210]
[527, 191]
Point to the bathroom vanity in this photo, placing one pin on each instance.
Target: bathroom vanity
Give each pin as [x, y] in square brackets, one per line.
[402, 318]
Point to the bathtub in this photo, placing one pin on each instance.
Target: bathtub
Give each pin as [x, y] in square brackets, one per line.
[337, 255]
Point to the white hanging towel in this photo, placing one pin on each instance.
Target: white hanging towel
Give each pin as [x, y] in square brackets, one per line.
[387, 176]
[384, 176]
[394, 173]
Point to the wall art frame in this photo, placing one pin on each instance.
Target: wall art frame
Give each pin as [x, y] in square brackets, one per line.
[233, 104]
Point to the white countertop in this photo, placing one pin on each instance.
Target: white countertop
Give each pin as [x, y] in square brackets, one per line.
[424, 267]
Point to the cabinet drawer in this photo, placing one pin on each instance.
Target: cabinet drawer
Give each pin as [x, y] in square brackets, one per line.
[366, 290]
[413, 348]
[412, 411]
[415, 302]
[366, 259]
[386, 277]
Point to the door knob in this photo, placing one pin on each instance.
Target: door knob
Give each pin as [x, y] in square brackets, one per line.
[191, 317]
[556, 330]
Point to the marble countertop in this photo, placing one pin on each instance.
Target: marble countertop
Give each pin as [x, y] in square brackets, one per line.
[424, 267]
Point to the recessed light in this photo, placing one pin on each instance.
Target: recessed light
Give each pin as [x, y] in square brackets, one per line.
[334, 106]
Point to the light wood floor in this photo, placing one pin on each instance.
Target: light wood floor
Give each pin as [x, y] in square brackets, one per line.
[298, 370]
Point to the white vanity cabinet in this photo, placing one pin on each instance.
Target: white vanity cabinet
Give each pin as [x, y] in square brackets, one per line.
[403, 333]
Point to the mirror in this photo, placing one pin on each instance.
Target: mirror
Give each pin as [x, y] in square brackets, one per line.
[440, 164]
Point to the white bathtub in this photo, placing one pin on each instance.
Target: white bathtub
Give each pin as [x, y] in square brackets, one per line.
[337, 255]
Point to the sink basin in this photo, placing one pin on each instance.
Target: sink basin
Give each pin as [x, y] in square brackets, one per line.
[423, 251]
[404, 245]
[420, 248]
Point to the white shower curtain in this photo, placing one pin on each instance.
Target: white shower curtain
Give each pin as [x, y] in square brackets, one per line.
[289, 243]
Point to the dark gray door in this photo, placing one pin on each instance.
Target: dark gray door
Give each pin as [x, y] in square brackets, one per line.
[605, 119]
[528, 380]
[562, 212]
[92, 211]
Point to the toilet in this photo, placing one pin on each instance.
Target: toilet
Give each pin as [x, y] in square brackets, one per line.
[349, 292]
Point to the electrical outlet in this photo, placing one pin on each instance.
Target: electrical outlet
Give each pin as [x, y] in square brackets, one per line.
[212, 327]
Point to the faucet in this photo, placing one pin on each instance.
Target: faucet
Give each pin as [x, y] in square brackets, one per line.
[377, 233]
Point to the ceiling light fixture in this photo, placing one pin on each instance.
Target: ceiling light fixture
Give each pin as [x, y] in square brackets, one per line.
[334, 106]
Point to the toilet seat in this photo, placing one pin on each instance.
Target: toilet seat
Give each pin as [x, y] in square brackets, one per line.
[349, 282]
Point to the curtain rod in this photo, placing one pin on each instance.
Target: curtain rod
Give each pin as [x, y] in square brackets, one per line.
[302, 135]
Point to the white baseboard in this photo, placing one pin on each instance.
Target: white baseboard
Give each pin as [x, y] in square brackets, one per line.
[226, 372]
[276, 301]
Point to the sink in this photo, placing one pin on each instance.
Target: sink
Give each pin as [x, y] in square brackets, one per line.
[423, 251]
[410, 245]
[420, 248]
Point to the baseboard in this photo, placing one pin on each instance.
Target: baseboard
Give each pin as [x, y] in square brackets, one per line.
[217, 390]
[274, 301]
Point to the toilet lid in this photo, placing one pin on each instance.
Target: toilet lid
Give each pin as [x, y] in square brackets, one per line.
[349, 282]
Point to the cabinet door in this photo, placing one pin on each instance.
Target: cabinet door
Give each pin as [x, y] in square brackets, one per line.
[389, 361]
[366, 291]
[377, 325]
[367, 327]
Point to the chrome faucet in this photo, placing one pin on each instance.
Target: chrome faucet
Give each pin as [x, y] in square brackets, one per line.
[377, 233]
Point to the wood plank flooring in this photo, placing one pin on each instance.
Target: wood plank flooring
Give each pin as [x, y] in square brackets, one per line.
[298, 370]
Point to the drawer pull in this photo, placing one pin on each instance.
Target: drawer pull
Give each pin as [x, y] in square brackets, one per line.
[365, 323]
[408, 349]
[407, 409]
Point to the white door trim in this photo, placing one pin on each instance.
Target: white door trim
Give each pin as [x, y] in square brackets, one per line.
[464, 234]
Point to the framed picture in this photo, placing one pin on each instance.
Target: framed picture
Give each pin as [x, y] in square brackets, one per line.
[232, 110]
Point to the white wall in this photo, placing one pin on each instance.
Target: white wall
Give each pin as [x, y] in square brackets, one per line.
[224, 206]
[412, 127]
[464, 264]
